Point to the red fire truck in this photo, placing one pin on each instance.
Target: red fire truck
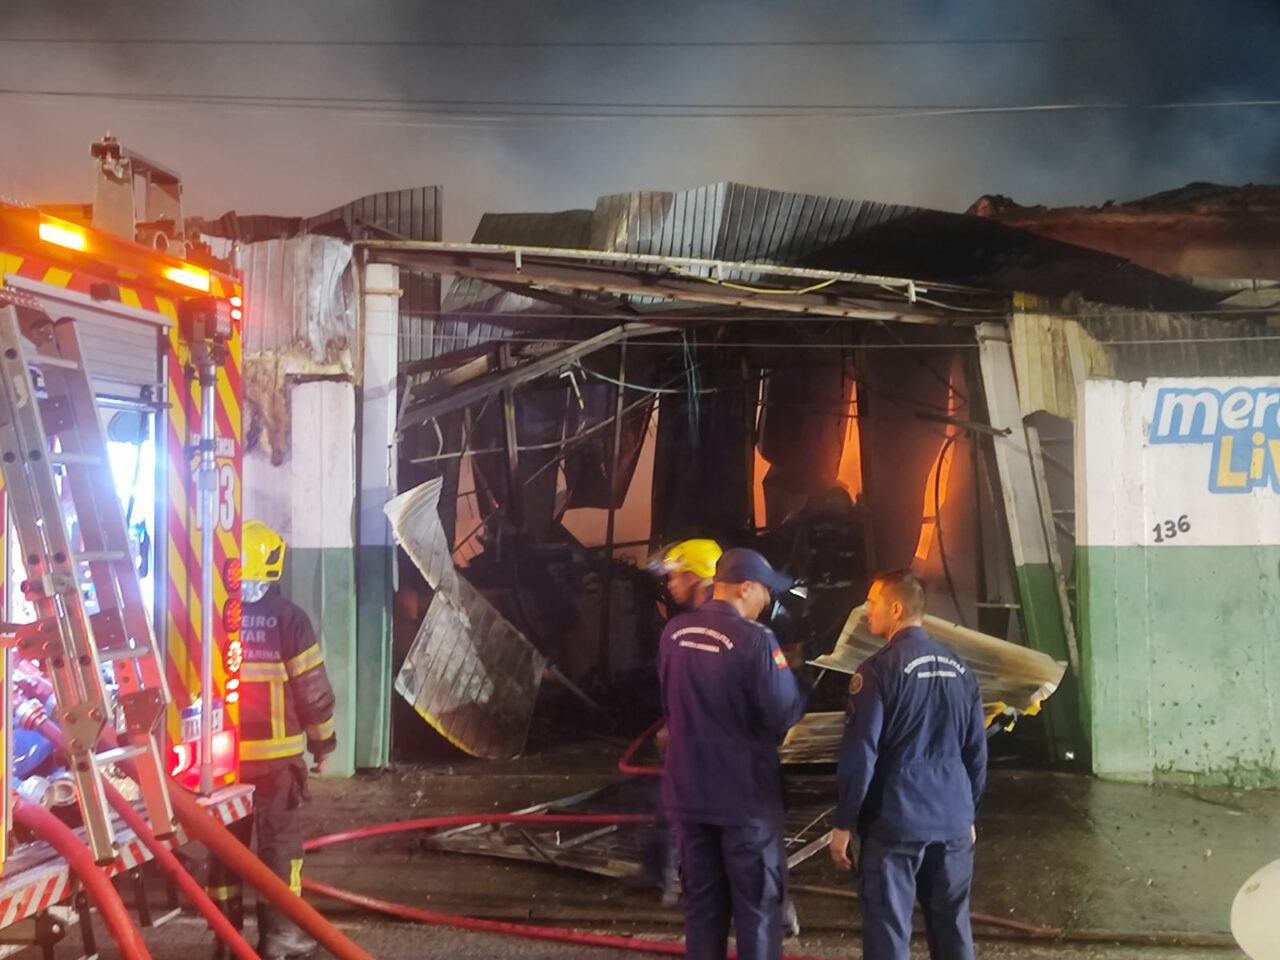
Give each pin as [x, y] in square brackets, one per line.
[158, 318]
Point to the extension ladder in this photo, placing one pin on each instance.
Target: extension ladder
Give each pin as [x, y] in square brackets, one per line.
[53, 454]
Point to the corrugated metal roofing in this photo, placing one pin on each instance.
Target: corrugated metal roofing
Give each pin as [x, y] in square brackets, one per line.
[1146, 344]
[412, 214]
[469, 673]
[734, 222]
[299, 299]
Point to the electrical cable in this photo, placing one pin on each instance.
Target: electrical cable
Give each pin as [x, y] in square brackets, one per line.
[820, 285]
[585, 110]
[573, 44]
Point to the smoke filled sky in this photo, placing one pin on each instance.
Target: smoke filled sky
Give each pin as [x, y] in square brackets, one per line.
[546, 105]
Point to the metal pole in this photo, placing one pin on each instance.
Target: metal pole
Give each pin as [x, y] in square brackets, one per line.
[208, 486]
[606, 600]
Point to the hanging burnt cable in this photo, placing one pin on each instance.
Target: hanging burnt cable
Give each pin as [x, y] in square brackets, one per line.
[746, 288]
[937, 526]
[691, 381]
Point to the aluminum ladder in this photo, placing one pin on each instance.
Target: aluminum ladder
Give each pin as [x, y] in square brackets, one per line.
[53, 454]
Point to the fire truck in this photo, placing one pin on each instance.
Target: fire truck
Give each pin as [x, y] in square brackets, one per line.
[157, 319]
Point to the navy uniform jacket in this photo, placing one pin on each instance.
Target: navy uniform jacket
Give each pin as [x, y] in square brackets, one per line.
[729, 698]
[913, 761]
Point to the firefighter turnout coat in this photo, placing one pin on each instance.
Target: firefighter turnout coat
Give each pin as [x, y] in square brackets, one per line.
[286, 702]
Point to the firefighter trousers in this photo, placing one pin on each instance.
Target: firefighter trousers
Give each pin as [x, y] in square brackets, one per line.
[279, 791]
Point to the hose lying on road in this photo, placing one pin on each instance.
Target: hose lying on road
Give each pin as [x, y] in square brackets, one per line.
[201, 825]
[556, 934]
[641, 945]
[105, 896]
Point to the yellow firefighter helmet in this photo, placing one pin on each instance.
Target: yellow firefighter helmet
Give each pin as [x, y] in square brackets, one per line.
[263, 552]
[698, 557]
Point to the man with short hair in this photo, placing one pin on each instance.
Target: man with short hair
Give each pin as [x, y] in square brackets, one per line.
[912, 768]
[729, 698]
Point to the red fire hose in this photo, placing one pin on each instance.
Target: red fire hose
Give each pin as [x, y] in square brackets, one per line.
[105, 897]
[201, 825]
[624, 762]
[218, 921]
[557, 934]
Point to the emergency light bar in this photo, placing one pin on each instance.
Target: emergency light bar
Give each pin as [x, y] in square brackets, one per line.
[63, 234]
[188, 276]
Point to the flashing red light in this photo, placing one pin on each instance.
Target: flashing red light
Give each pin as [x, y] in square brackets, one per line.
[184, 759]
[232, 615]
[233, 575]
[224, 751]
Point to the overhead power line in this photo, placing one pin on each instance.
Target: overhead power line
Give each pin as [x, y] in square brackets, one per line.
[571, 44]
[629, 110]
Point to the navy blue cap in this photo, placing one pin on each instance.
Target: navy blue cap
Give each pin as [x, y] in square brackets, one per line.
[741, 565]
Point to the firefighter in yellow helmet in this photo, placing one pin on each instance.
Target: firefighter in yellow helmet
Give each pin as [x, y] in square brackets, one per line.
[689, 567]
[286, 708]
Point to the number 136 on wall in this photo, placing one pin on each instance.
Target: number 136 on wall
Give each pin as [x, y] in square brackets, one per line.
[1170, 529]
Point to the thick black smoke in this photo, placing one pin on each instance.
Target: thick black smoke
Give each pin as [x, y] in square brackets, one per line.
[296, 158]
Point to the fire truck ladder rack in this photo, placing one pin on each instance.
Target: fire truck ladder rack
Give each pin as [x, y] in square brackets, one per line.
[51, 432]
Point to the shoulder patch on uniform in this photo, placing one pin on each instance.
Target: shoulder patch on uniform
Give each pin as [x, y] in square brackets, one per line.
[779, 660]
[855, 684]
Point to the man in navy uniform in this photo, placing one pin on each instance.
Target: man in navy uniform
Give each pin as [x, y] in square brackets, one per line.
[729, 698]
[913, 763]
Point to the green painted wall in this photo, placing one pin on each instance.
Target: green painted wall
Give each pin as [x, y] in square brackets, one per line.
[373, 656]
[322, 582]
[1064, 713]
[1182, 662]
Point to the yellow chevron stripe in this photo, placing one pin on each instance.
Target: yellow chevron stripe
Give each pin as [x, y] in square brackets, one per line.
[181, 658]
[57, 277]
[178, 417]
[178, 492]
[177, 568]
[227, 540]
[130, 297]
[9, 263]
[167, 308]
[229, 404]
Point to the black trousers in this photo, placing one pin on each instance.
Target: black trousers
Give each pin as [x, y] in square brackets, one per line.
[279, 791]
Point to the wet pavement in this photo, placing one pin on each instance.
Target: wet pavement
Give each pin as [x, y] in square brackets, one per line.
[1102, 861]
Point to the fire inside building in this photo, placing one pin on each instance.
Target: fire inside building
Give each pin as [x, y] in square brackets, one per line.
[478, 488]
